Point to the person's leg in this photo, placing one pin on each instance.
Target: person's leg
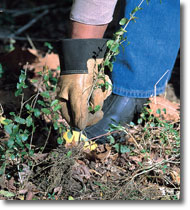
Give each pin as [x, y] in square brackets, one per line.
[148, 60]
[145, 64]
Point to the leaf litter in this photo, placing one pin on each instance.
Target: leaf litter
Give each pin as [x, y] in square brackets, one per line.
[148, 170]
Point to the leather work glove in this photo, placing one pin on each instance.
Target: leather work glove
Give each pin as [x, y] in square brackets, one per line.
[79, 83]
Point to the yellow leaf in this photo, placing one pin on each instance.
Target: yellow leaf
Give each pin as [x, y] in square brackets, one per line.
[2, 121]
[70, 198]
[72, 138]
[21, 197]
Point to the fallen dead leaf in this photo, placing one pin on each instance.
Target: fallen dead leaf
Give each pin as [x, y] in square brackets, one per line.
[175, 177]
[29, 196]
[80, 171]
[17, 59]
[92, 171]
[102, 156]
[51, 61]
[136, 159]
[114, 157]
[58, 190]
[172, 109]
[11, 184]
[29, 187]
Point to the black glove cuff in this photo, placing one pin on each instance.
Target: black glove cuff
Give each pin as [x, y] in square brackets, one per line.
[74, 54]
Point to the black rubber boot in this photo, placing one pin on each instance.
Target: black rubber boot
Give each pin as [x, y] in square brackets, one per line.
[117, 110]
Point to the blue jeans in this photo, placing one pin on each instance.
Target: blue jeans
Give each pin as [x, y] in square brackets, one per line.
[145, 65]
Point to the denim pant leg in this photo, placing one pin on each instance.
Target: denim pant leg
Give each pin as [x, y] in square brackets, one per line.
[146, 63]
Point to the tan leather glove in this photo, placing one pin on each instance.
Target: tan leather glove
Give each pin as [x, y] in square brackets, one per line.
[79, 83]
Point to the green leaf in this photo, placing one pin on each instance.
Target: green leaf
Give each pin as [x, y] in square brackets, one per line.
[114, 127]
[121, 148]
[34, 80]
[18, 92]
[45, 94]
[18, 138]
[112, 45]
[69, 153]
[36, 112]
[31, 152]
[46, 78]
[106, 62]
[158, 111]
[53, 103]
[45, 111]
[55, 125]
[132, 123]
[90, 109]
[12, 114]
[136, 9]
[60, 140]
[10, 142]
[12, 156]
[56, 108]
[124, 149]
[123, 21]
[117, 147]
[111, 139]
[8, 128]
[123, 30]
[109, 43]
[152, 124]
[28, 107]
[139, 121]
[20, 120]
[15, 129]
[143, 151]
[97, 108]
[24, 136]
[164, 110]
[40, 73]
[41, 103]
[115, 48]
[6, 193]
[48, 45]
[107, 85]
[110, 66]
[29, 121]
[120, 33]
[27, 146]
[22, 77]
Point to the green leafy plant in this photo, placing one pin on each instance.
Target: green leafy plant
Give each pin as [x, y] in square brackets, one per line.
[21, 126]
[151, 126]
[113, 45]
[118, 38]
[120, 147]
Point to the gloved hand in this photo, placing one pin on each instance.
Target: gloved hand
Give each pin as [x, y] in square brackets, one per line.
[78, 84]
